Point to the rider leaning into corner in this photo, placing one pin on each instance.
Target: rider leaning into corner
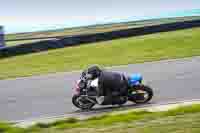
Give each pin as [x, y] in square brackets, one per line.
[102, 87]
[111, 84]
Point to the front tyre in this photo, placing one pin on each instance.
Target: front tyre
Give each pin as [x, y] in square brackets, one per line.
[82, 103]
[141, 95]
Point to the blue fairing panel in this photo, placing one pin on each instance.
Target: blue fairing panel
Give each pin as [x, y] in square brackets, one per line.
[135, 79]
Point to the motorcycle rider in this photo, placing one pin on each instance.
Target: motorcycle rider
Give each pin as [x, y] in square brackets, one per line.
[111, 84]
[101, 87]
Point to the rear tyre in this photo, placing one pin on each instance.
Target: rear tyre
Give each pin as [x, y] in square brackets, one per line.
[82, 103]
[143, 94]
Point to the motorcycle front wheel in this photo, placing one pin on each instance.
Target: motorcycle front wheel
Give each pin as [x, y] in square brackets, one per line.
[82, 103]
[141, 94]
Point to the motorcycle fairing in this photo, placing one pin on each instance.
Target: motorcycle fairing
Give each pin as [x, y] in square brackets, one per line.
[135, 79]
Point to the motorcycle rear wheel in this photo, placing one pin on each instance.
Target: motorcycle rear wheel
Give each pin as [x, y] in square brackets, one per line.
[81, 103]
[143, 94]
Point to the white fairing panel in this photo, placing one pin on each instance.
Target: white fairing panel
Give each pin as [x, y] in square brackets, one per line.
[94, 83]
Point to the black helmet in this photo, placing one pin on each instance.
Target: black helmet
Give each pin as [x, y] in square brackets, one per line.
[94, 70]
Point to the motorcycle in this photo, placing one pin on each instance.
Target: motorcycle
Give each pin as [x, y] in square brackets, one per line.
[85, 95]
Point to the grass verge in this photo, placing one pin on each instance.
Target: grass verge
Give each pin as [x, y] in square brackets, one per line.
[14, 43]
[181, 120]
[168, 45]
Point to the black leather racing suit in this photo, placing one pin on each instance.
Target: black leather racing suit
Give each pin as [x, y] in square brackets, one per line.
[112, 84]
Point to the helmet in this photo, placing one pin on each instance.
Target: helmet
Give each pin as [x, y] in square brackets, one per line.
[134, 79]
[93, 70]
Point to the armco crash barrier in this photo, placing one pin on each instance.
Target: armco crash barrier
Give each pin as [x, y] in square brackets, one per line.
[89, 38]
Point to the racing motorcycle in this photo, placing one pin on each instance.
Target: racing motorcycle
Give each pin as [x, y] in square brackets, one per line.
[86, 90]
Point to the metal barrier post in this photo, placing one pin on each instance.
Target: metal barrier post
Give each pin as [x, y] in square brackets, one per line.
[2, 42]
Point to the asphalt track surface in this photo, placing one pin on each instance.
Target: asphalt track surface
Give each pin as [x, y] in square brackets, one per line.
[50, 95]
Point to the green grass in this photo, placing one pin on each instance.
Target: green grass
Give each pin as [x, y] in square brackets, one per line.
[94, 29]
[168, 45]
[180, 120]
[7, 128]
